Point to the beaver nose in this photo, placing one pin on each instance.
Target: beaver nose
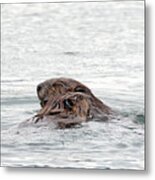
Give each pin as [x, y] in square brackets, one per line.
[39, 88]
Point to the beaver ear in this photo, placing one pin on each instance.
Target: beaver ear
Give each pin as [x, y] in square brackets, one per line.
[68, 104]
[80, 89]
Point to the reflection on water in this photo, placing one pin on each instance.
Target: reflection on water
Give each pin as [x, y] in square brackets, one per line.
[99, 44]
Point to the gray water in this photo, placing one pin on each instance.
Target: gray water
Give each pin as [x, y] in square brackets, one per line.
[100, 44]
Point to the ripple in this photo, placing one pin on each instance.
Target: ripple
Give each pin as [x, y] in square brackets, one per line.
[71, 53]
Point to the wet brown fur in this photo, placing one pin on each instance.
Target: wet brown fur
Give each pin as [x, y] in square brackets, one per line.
[56, 111]
[61, 86]
[67, 102]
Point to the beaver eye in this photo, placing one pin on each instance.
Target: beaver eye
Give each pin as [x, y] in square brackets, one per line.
[80, 89]
[68, 104]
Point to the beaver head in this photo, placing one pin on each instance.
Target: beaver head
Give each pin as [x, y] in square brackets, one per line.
[60, 86]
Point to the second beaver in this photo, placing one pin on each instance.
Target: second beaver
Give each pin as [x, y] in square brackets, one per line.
[64, 111]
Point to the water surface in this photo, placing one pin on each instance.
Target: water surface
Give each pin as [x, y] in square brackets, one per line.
[100, 44]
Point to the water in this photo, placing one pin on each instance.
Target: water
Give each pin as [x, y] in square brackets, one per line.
[99, 44]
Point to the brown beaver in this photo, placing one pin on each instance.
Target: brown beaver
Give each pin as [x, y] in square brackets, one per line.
[66, 102]
[61, 86]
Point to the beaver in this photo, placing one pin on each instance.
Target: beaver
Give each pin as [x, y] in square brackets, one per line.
[66, 102]
[64, 111]
[60, 86]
